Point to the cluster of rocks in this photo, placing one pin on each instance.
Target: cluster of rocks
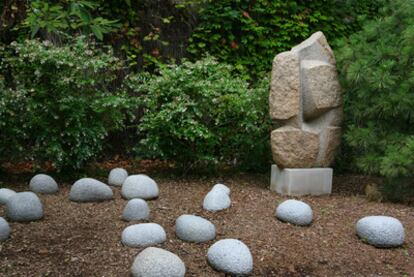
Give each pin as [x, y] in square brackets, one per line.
[379, 231]
[25, 206]
[230, 256]
[217, 199]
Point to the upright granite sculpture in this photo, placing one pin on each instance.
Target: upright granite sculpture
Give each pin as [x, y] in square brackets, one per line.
[306, 108]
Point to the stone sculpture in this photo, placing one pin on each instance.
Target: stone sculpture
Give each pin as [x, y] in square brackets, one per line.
[305, 104]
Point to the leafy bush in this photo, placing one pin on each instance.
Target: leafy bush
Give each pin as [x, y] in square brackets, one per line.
[248, 34]
[58, 104]
[377, 70]
[200, 113]
[67, 15]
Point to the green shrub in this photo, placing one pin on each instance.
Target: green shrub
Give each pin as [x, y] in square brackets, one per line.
[58, 104]
[66, 16]
[248, 34]
[202, 114]
[377, 71]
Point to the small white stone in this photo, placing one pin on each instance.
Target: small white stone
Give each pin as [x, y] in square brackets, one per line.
[295, 212]
[4, 229]
[381, 231]
[117, 176]
[216, 200]
[222, 187]
[136, 209]
[139, 186]
[143, 234]
[42, 183]
[194, 228]
[5, 194]
[157, 262]
[24, 206]
[230, 256]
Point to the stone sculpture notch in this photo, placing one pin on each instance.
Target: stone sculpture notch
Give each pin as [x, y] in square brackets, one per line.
[305, 105]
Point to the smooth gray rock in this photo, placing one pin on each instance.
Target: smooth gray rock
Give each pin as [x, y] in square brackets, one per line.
[194, 228]
[230, 256]
[117, 176]
[90, 190]
[4, 229]
[5, 194]
[42, 183]
[157, 262]
[143, 234]
[295, 212]
[381, 231]
[140, 186]
[222, 188]
[136, 209]
[24, 206]
[216, 200]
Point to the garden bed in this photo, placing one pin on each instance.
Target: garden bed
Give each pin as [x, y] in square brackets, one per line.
[85, 239]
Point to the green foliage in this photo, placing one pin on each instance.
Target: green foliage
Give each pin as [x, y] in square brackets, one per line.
[202, 114]
[67, 15]
[58, 104]
[248, 34]
[377, 70]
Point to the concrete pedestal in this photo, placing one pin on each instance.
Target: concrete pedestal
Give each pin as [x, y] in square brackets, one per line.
[301, 181]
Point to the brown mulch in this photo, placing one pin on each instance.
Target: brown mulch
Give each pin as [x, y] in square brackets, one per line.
[84, 239]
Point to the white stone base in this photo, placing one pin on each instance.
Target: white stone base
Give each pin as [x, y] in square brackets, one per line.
[301, 181]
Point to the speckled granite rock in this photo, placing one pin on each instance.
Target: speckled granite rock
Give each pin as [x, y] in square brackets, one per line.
[157, 262]
[143, 234]
[90, 190]
[117, 176]
[381, 231]
[24, 206]
[230, 256]
[194, 228]
[42, 183]
[295, 212]
[140, 186]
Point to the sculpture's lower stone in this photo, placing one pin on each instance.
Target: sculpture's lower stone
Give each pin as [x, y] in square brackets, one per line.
[294, 148]
[301, 181]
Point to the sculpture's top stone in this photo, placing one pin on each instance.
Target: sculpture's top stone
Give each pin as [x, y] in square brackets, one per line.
[305, 101]
[316, 47]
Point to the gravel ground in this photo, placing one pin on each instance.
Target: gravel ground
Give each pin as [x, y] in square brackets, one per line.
[85, 239]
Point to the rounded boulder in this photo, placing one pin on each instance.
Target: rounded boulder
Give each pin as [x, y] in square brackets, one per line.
[90, 190]
[42, 183]
[5, 194]
[157, 262]
[194, 228]
[117, 176]
[4, 229]
[24, 206]
[216, 200]
[222, 188]
[140, 186]
[381, 231]
[295, 212]
[143, 234]
[230, 256]
[136, 209]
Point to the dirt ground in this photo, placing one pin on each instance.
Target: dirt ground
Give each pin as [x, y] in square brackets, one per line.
[85, 239]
